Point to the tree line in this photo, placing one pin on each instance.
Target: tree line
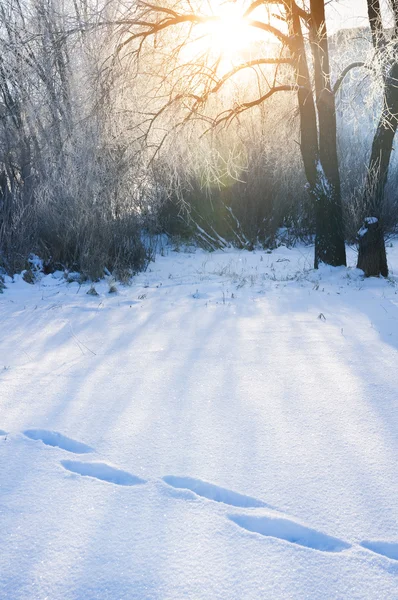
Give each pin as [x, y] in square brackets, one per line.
[94, 99]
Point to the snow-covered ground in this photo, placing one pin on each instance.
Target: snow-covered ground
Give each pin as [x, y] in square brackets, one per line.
[226, 427]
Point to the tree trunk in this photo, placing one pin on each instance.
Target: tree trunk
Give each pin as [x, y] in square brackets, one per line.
[308, 128]
[319, 151]
[376, 24]
[372, 252]
[377, 177]
[372, 257]
[329, 244]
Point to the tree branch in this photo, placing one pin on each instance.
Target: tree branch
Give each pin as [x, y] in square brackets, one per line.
[234, 112]
[300, 11]
[247, 65]
[345, 72]
[285, 39]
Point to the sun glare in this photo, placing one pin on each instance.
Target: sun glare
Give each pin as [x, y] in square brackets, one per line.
[230, 35]
[227, 35]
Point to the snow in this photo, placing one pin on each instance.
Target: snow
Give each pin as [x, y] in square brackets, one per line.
[213, 492]
[53, 438]
[101, 471]
[290, 531]
[323, 185]
[371, 220]
[225, 427]
[384, 548]
[368, 221]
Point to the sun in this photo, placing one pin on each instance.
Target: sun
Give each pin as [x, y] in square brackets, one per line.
[224, 34]
[230, 35]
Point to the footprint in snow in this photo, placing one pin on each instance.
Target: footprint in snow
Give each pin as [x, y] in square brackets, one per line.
[57, 440]
[214, 492]
[290, 531]
[101, 471]
[388, 549]
[276, 527]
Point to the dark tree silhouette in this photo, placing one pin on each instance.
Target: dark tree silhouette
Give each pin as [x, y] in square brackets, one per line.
[372, 252]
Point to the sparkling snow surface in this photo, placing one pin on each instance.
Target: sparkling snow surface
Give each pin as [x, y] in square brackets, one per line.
[224, 428]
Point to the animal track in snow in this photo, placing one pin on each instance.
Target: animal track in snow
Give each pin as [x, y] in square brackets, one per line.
[57, 440]
[388, 549]
[101, 471]
[290, 531]
[214, 492]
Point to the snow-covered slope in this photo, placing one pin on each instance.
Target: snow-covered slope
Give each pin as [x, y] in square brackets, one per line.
[226, 427]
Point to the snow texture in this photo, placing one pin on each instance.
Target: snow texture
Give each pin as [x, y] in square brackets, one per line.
[101, 471]
[53, 438]
[388, 549]
[368, 221]
[288, 530]
[371, 220]
[245, 446]
[213, 492]
[323, 186]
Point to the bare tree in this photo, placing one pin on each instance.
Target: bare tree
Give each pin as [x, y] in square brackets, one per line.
[372, 253]
[69, 180]
[193, 83]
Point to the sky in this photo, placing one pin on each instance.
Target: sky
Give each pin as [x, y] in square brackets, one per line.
[348, 13]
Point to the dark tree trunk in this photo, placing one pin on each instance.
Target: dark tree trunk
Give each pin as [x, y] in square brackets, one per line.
[372, 257]
[377, 179]
[308, 127]
[372, 252]
[329, 244]
[319, 149]
[376, 24]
